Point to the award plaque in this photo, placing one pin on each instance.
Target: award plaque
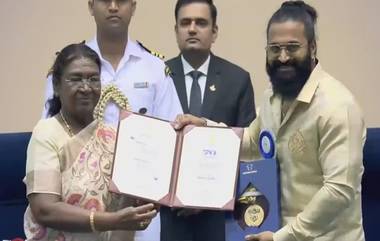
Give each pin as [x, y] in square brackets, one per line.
[257, 206]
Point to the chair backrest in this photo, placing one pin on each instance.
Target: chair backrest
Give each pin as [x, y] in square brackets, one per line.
[370, 189]
[12, 190]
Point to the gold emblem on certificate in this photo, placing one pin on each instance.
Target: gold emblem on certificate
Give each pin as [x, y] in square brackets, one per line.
[252, 208]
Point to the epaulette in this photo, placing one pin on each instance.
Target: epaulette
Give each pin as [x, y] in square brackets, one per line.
[150, 51]
[168, 71]
[50, 72]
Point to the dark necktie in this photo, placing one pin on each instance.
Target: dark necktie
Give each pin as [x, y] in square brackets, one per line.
[195, 107]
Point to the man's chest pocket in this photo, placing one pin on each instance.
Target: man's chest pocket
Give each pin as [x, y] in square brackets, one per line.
[141, 96]
[303, 145]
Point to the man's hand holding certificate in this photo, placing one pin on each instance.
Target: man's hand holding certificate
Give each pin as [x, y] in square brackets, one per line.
[195, 167]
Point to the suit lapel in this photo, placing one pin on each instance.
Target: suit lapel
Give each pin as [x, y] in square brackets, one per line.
[179, 82]
[211, 88]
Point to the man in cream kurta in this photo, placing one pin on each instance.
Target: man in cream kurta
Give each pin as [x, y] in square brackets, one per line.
[319, 135]
[319, 149]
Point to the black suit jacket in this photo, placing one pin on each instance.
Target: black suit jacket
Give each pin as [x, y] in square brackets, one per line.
[231, 102]
[228, 98]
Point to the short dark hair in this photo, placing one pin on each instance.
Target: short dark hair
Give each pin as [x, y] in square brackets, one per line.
[210, 3]
[67, 55]
[298, 11]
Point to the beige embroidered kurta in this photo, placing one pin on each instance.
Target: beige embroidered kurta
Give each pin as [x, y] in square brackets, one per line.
[319, 145]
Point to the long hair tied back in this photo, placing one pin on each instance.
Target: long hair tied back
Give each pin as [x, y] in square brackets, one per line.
[297, 11]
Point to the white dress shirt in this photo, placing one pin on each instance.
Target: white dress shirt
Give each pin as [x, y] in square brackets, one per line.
[187, 68]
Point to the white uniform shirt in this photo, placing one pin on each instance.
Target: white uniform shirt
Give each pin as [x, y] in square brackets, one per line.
[187, 68]
[141, 77]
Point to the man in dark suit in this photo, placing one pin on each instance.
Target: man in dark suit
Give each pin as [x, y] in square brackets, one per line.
[210, 87]
[226, 89]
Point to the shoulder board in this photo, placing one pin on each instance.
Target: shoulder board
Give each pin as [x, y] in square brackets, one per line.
[168, 71]
[151, 52]
[50, 72]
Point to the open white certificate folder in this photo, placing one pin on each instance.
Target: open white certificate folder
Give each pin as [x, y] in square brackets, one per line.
[196, 167]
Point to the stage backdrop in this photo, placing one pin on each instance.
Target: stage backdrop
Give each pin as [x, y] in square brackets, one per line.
[32, 31]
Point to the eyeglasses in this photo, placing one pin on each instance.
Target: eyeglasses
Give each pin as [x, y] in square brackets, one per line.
[93, 81]
[290, 48]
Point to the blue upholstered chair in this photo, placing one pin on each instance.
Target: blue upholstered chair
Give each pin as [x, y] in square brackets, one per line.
[13, 201]
[370, 185]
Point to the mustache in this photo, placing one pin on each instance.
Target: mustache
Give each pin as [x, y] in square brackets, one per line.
[277, 64]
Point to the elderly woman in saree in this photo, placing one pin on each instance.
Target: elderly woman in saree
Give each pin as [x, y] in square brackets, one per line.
[69, 162]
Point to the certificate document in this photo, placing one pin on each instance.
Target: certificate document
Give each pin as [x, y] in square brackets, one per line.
[196, 167]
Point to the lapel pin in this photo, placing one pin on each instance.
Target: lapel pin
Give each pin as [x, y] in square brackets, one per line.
[212, 88]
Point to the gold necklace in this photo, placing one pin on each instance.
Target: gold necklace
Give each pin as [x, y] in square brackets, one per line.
[66, 124]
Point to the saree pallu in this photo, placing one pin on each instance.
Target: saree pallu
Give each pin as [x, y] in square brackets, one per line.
[85, 162]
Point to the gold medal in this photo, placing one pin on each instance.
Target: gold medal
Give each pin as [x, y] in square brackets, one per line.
[254, 216]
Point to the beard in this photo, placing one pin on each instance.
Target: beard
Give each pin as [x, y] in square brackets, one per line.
[289, 78]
